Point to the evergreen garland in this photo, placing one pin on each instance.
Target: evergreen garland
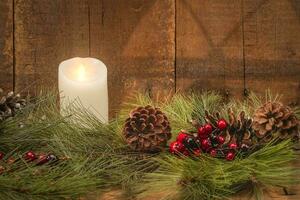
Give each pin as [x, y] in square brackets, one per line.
[95, 157]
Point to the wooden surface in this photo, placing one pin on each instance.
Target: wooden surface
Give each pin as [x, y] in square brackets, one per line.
[47, 32]
[6, 44]
[209, 46]
[272, 46]
[135, 39]
[154, 46]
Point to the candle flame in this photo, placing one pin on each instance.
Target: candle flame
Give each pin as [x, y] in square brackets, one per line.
[81, 72]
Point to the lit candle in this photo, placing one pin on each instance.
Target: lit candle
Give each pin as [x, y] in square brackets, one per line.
[84, 80]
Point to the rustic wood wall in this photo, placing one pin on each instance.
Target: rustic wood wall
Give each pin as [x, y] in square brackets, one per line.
[157, 46]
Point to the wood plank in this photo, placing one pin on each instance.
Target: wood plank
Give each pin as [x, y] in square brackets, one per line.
[272, 46]
[135, 39]
[47, 32]
[268, 195]
[6, 44]
[209, 46]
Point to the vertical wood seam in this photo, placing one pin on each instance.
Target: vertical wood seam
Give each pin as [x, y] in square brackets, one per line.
[13, 45]
[243, 49]
[275, 39]
[175, 46]
[102, 12]
[89, 26]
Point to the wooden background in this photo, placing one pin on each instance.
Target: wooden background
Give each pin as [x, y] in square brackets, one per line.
[157, 46]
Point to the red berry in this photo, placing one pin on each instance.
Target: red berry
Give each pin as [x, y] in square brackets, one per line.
[208, 128]
[232, 146]
[11, 160]
[230, 156]
[181, 137]
[1, 155]
[205, 144]
[221, 139]
[222, 124]
[176, 147]
[42, 159]
[202, 132]
[186, 153]
[213, 153]
[197, 152]
[30, 156]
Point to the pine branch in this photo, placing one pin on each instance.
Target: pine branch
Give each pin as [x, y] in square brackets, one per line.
[100, 158]
[210, 178]
[39, 127]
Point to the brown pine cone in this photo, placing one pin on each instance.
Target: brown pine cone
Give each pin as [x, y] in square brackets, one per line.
[147, 129]
[240, 128]
[10, 104]
[274, 117]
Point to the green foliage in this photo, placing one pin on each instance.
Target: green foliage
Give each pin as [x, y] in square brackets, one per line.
[67, 179]
[211, 178]
[99, 158]
[90, 145]
[208, 178]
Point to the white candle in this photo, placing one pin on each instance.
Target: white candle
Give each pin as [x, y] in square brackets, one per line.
[84, 80]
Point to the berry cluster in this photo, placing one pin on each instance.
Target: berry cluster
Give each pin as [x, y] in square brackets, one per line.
[208, 139]
[38, 158]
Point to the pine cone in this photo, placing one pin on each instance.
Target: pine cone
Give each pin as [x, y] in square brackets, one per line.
[10, 104]
[240, 128]
[147, 129]
[274, 117]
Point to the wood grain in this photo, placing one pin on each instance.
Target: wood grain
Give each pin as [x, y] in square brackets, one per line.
[157, 46]
[272, 46]
[274, 194]
[135, 39]
[225, 45]
[6, 45]
[47, 32]
[209, 46]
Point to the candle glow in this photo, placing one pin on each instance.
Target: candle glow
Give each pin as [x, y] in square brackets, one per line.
[81, 73]
[84, 80]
